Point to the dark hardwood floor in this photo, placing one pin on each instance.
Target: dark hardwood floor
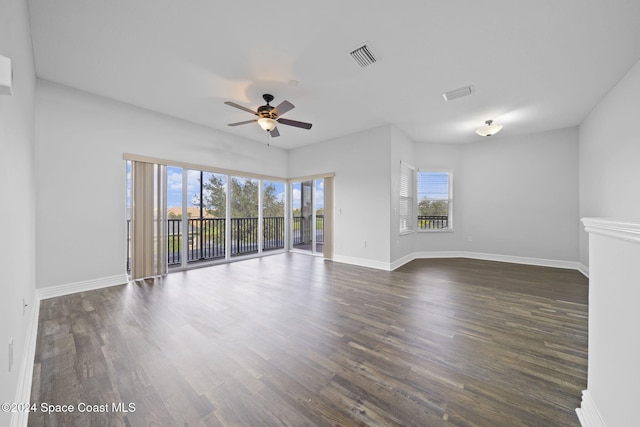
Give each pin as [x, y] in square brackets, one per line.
[292, 340]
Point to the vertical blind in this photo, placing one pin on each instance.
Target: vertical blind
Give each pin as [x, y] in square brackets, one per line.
[148, 220]
[328, 218]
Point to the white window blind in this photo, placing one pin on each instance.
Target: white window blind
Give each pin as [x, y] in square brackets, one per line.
[406, 199]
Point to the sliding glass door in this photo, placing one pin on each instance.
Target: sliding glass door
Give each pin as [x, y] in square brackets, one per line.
[307, 216]
[216, 216]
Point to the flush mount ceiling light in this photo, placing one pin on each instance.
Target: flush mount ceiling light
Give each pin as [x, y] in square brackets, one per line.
[489, 129]
[267, 123]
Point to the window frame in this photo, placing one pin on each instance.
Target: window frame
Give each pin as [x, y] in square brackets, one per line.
[449, 200]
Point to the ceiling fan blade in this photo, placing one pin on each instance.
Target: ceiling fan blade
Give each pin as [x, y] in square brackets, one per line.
[274, 133]
[242, 123]
[295, 123]
[233, 104]
[283, 108]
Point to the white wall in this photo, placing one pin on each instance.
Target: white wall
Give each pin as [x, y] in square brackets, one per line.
[515, 196]
[17, 194]
[362, 209]
[609, 154]
[521, 195]
[80, 140]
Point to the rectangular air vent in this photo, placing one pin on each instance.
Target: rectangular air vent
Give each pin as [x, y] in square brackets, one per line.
[363, 55]
[457, 93]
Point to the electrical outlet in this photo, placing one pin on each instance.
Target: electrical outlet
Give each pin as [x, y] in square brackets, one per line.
[24, 306]
[10, 354]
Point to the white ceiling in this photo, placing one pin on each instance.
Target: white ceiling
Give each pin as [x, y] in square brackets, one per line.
[535, 65]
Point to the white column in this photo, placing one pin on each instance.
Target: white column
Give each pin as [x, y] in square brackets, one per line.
[613, 383]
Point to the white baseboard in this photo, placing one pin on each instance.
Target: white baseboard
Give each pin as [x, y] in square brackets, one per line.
[88, 285]
[390, 266]
[402, 261]
[25, 376]
[584, 270]
[572, 265]
[362, 262]
[588, 413]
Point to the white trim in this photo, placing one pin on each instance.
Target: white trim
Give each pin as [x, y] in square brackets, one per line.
[88, 285]
[379, 265]
[25, 376]
[572, 265]
[198, 167]
[619, 229]
[583, 269]
[588, 413]
[400, 262]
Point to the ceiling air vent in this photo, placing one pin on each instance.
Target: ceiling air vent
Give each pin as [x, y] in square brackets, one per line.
[363, 55]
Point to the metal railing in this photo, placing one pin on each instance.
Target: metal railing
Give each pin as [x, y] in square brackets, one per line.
[273, 233]
[433, 222]
[206, 238]
[302, 230]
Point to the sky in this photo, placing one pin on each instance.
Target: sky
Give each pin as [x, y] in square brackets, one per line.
[174, 188]
[433, 185]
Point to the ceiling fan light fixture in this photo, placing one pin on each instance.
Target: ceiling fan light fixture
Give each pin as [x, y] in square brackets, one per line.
[489, 129]
[267, 123]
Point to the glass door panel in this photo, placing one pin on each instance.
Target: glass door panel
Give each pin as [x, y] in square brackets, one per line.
[273, 215]
[174, 216]
[307, 216]
[244, 201]
[206, 215]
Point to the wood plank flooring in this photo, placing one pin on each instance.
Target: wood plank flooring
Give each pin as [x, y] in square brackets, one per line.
[293, 340]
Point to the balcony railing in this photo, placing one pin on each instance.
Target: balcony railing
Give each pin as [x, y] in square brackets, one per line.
[302, 230]
[433, 222]
[206, 238]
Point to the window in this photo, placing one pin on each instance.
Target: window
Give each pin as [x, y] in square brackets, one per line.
[406, 202]
[435, 201]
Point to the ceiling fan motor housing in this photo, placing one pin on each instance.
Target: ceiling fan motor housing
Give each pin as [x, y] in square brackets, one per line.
[265, 111]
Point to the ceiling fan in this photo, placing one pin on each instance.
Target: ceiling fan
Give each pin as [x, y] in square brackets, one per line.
[269, 116]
